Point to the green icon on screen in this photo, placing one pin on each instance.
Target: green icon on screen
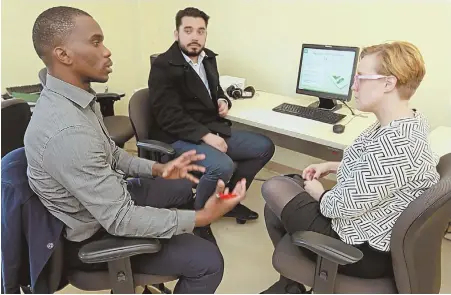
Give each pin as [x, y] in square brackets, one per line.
[339, 81]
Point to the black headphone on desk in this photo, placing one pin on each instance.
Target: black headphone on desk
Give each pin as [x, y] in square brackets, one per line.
[236, 93]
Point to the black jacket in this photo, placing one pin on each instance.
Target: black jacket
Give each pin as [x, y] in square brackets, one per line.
[181, 107]
[30, 234]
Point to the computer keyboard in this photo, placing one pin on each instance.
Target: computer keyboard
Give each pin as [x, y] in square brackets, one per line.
[35, 88]
[309, 113]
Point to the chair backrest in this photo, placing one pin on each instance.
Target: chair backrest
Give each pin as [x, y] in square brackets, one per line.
[418, 234]
[153, 57]
[139, 110]
[16, 115]
[140, 115]
[43, 76]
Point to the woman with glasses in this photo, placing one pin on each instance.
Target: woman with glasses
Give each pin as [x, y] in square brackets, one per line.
[389, 165]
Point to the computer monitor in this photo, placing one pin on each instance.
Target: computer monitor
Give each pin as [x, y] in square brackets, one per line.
[327, 72]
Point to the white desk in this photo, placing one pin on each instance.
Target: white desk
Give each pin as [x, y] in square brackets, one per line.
[440, 139]
[296, 133]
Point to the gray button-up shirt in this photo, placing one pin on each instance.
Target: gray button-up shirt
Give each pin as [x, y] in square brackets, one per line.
[76, 170]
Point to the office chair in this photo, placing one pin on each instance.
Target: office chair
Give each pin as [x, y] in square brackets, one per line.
[138, 110]
[115, 251]
[415, 248]
[119, 127]
[16, 115]
[42, 75]
[141, 120]
[153, 57]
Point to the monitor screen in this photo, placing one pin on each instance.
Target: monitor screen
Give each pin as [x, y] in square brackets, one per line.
[327, 71]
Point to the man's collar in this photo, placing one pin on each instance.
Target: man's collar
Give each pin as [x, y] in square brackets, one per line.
[77, 95]
[202, 55]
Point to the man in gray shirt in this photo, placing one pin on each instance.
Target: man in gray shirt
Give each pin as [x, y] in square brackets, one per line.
[78, 172]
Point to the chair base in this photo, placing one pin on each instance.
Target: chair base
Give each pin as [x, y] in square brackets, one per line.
[99, 280]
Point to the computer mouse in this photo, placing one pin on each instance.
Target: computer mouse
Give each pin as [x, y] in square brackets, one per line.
[338, 128]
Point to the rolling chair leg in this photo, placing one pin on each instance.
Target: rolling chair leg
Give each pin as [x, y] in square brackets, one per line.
[160, 287]
[163, 289]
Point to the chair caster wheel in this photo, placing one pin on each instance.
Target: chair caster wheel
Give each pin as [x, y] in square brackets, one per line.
[160, 287]
[241, 221]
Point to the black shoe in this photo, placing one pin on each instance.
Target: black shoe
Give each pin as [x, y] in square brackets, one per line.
[242, 213]
[284, 287]
[205, 233]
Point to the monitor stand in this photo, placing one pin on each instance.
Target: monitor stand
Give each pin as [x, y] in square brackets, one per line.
[326, 104]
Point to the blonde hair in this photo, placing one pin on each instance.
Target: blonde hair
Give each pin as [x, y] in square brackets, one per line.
[402, 60]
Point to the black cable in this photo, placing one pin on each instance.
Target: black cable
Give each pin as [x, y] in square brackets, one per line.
[348, 108]
[353, 114]
[353, 117]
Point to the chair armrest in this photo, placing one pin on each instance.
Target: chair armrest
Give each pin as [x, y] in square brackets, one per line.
[116, 248]
[327, 247]
[156, 146]
[106, 101]
[110, 95]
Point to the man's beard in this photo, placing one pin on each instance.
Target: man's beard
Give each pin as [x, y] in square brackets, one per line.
[191, 53]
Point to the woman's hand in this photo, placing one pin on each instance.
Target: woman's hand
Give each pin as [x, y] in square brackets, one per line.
[314, 188]
[317, 171]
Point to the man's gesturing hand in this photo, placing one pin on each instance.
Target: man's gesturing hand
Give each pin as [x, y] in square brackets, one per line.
[180, 167]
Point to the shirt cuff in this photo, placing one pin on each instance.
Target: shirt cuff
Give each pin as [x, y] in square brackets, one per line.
[185, 221]
[225, 100]
[322, 195]
[145, 167]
